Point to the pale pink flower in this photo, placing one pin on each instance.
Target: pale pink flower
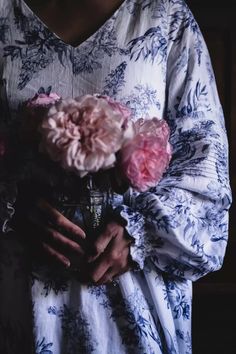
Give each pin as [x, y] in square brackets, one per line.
[83, 134]
[117, 107]
[33, 112]
[154, 126]
[144, 159]
[42, 100]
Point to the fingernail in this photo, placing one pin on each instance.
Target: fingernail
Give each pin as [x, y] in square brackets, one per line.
[83, 234]
[66, 263]
[79, 251]
[91, 259]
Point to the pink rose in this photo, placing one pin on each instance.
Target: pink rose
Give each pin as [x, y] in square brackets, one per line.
[144, 159]
[42, 100]
[154, 126]
[117, 107]
[33, 112]
[83, 134]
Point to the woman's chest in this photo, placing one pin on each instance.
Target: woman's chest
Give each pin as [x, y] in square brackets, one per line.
[113, 61]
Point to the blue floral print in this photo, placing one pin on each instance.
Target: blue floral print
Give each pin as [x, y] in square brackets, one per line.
[76, 330]
[151, 45]
[43, 348]
[3, 29]
[141, 99]
[36, 49]
[115, 80]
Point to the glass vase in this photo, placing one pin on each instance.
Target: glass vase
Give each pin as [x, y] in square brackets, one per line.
[86, 204]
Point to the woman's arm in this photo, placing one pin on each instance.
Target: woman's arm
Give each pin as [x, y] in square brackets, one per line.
[182, 224]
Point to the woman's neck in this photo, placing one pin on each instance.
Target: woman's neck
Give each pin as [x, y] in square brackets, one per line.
[74, 20]
[82, 4]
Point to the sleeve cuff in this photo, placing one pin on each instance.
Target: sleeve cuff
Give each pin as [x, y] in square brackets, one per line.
[7, 201]
[134, 225]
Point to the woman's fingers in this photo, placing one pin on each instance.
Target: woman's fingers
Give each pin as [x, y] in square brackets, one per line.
[63, 242]
[111, 275]
[115, 256]
[107, 277]
[52, 236]
[100, 245]
[118, 264]
[59, 220]
[109, 267]
[56, 255]
[103, 240]
[100, 268]
[48, 241]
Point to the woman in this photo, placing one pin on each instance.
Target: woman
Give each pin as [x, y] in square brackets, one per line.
[151, 56]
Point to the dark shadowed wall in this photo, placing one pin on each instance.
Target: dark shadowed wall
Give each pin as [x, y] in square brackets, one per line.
[214, 304]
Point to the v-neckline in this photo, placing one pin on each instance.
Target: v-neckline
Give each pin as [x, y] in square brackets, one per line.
[89, 38]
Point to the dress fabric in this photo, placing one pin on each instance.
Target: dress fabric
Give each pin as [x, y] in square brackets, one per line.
[151, 56]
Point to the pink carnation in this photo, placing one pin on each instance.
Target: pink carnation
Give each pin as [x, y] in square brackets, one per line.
[144, 159]
[83, 134]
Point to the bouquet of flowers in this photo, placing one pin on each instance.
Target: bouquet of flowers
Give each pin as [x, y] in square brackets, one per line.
[94, 133]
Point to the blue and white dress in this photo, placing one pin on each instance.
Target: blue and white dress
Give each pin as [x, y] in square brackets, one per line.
[151, 56]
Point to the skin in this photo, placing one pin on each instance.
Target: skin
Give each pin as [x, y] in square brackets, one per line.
[72, 20]
[45, 229]
[109, 255]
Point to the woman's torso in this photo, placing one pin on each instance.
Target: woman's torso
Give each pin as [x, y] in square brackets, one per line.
[125, 59]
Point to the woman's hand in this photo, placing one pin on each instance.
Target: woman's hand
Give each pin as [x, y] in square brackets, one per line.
[112, 254]
[45, 230]
[40, 227]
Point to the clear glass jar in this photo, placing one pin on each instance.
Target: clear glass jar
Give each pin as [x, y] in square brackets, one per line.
[89, 208]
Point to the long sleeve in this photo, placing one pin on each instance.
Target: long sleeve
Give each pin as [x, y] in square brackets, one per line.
[181, 225]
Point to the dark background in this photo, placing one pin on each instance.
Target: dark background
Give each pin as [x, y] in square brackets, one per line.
[214, 296]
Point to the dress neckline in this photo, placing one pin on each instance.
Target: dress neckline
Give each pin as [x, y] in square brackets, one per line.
[89, 38]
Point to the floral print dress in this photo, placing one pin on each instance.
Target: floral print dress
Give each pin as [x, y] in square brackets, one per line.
[151, 56]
